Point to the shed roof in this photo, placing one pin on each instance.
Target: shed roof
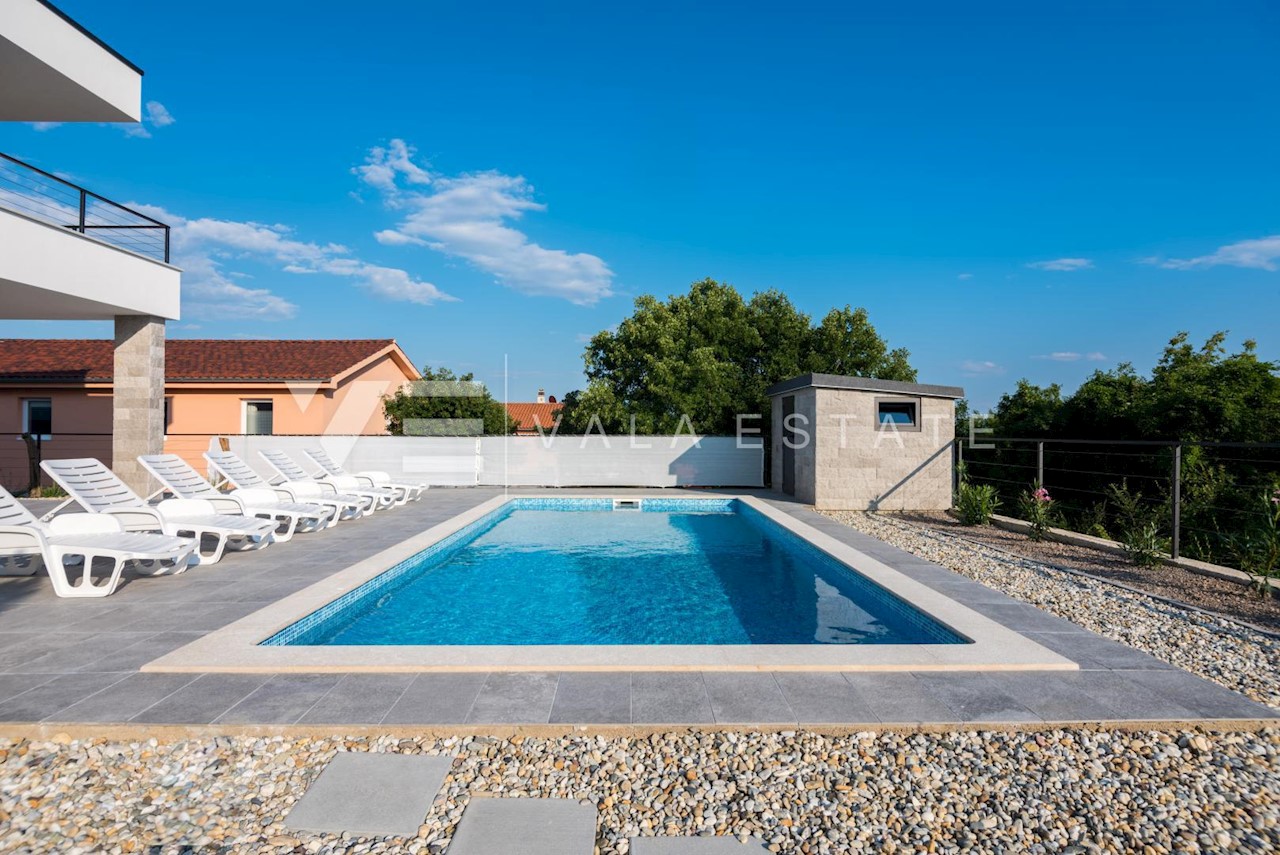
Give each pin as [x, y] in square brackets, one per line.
[863, 384]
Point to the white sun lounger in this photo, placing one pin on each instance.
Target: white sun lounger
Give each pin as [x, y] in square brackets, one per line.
[97, 489]
[329, 470]
[235, 470]
[73, 538]
[179, 478]
[290, 471]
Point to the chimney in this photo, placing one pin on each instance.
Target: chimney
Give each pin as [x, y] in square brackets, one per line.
[542, 396]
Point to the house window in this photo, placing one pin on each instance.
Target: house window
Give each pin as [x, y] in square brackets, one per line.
[900, 414]
[258, 418]
[37, 417]
[168, 414]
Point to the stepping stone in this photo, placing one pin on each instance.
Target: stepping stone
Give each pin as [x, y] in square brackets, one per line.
[371, 794]
[525, 827]
[695, 846]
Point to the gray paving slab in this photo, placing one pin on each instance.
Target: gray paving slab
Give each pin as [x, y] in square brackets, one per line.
[358, 699]
[824, 698]
[974, 698]
[513, 698]
[1202, 697]
[525, 827]
[671, 697]
[695, 846]
[1054, 696]
[371, 794]
[123, 700]
[1131, 700]
[747, 697]
[592, 698]
[1094, 652]
[15, 684]
[436, 699]
[202, 700]
[57, 694]
[898, 698]
[283, 699]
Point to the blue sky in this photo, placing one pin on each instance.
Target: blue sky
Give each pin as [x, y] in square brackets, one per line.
[1010, 189]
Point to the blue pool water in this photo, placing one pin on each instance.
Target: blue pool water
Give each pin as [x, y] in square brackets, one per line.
[679, 571]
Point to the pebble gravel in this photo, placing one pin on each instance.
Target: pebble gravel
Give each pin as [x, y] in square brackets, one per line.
[1216, 648]
[1059, 791]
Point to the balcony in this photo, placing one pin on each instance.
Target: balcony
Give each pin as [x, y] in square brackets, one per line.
[67, 253]
[43, 196]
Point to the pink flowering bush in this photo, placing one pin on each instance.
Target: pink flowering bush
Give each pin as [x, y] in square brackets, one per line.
[1036, 508]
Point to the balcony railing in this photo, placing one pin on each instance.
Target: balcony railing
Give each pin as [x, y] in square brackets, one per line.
[32, 191]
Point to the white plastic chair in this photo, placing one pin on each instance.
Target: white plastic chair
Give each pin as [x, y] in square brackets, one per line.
[179, 478]
[289, 470]
[97, 489]
[405, 492]
[232, 468]
[80, 538]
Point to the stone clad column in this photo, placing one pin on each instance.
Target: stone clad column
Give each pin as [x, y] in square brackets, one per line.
[138, 397]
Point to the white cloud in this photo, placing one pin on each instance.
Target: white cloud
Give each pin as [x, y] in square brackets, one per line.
[468, 216]
[1062, 264]
[1257, 254]
[1072, 356]
[963, 276]
[205, 247]
[976, 368]
[158, 115]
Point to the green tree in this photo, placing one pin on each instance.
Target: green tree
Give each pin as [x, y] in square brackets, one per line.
[709, 355]
[1028, 411]
[445, 404]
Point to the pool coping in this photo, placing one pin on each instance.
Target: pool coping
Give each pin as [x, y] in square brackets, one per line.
[237, 648]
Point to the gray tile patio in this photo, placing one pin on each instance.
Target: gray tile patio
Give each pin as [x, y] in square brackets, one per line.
[78, 660]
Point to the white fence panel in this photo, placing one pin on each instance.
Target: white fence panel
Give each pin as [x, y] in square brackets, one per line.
[441, 461]
[595, 461]
[520, 461]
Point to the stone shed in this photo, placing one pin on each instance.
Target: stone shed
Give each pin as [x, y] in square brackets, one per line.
[854, 443]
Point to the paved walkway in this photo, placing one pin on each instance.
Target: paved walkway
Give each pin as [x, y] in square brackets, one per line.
[69, 661]
[388, 795]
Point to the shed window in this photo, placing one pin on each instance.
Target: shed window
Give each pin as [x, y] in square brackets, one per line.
[896, 413]
[258, 418]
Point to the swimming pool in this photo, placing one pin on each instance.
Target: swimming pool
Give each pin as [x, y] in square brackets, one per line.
[593, 572]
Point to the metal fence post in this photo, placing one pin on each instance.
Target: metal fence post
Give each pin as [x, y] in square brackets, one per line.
[1040, 463]
[1176, 539]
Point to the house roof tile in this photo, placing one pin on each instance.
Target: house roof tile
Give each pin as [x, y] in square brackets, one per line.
[187, 360]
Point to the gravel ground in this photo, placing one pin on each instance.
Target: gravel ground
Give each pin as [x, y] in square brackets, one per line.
[1204, 592]
[1216, 648]
[1069, 791]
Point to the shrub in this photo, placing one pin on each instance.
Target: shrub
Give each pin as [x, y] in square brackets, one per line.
[1036, 507]
[1257, 549]
[1139, 525]
[975, 503]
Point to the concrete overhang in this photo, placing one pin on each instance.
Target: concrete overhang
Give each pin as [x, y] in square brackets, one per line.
[862, 384]
[52, 273]
[54, 70]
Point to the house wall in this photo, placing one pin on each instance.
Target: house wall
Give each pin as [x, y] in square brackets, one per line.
[81, 428]
[82, 418]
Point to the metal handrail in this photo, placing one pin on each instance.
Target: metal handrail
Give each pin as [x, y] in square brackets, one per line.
[46, 201]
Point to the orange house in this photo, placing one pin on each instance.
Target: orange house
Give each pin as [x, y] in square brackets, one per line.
[59, 391]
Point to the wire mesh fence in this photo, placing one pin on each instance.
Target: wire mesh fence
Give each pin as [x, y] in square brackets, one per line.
[1206, 500]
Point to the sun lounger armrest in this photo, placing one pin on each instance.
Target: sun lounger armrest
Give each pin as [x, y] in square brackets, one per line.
[19, 536]
[85, 524]
[375, 476]
[137, 519]
[257, 496]
[179, 508]
[229, 504]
